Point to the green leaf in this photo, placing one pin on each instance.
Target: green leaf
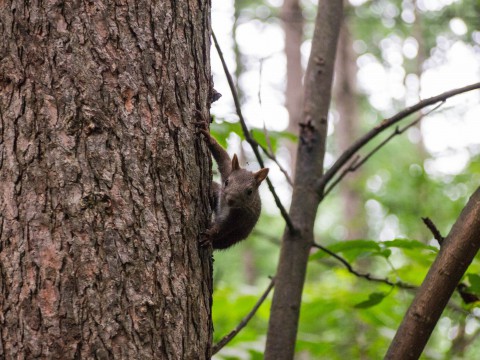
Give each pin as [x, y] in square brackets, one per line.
[354, 247]
[221, 131]
[373, 299]
[408, 244]
[384, 253]
[273, 138]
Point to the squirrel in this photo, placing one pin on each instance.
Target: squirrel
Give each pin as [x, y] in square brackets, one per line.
[236, 201]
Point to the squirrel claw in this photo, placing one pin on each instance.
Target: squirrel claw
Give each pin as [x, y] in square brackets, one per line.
[201, 124]
[205, 133]
[205, 239]
[204, 120]
[202, 129]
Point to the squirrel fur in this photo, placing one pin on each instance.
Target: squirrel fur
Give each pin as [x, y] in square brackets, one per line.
[236, 201]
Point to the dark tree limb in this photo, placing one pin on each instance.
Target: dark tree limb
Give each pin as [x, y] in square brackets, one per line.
[253, 143]
[350, 152]
[399, 284]
[359, 161]
[226, 339]
[367, 276]
[457, 252]
[272, 157]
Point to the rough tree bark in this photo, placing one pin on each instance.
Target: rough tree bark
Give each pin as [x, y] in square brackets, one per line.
[456, 253]
[296, 245]
[103, 181]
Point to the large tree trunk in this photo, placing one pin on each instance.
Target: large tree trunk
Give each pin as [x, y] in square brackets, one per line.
[103, 181]
[296, 245]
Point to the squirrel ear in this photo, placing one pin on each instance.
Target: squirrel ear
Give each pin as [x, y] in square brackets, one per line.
[260, 175]
[235, 164]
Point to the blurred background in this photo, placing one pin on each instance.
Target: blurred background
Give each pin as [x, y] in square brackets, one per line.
[391, 54]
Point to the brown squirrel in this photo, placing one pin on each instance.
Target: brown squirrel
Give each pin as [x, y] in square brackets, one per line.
[236, 202]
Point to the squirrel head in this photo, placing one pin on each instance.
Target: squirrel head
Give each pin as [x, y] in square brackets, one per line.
[240, 189]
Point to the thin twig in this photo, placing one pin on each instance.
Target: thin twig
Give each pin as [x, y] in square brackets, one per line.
[349, 267]
[272, 157]
[358, 161]
[253, 143]
[226, 339]
[367, 276]
[357, 145]
[436, 233]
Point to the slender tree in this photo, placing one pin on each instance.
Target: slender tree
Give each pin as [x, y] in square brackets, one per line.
[103, 180]
[296, 242]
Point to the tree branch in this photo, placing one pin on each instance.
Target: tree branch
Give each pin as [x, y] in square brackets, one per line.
[358, 161]
[272, 157]
[253, 143]
[367, 276]
[226, 339]
[361, 142]
[457, 252]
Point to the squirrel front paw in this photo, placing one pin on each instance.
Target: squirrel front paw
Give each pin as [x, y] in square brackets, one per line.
[205, 239]
[202, 129]
[208, 236]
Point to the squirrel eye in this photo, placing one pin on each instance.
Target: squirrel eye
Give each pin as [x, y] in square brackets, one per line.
[250, 191]
[226, 182]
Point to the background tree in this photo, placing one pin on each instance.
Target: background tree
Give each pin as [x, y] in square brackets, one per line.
[297, 240]
[103, 180]
[348, 126]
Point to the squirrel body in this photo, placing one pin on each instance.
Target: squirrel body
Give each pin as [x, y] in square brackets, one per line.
[236, 201]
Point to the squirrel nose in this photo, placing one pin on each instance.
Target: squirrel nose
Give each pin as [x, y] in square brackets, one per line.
[230, 200]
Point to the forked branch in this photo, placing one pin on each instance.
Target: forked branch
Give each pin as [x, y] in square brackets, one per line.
[366, 276]
[361, 142]
[359, 161]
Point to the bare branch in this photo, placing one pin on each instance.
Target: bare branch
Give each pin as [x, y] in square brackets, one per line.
[358, 161]
[367, 276]
[272, 157]
[352, 150]
[226, 339]
[253, 143]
